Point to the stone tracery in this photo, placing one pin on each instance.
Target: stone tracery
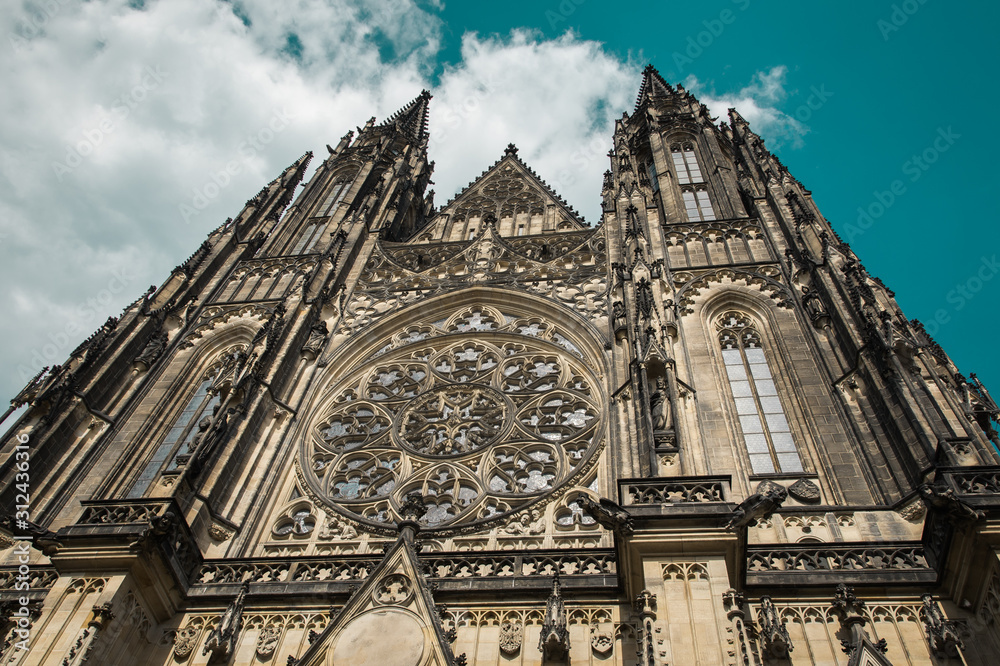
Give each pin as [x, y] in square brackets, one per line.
[482, 425]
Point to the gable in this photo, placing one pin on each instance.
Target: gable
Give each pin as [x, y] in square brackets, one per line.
[511, 195]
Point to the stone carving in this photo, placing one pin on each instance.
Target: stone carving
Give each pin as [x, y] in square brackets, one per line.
[644, 298]
[804, 490]
[317, 337]
[814, 307]
[836, 558]
[394, 589]
[913, 511]
[941, 633]
[601, 642]
[219, 533]
[773, 633]
[645, 608]
[267, 641]
[511, 634]
[184, 642]
[761, 504]
[223, 638]
[553, 642]
[608, 514]
[659, 404]
[152, 351]
[338, 529]
[669, 492]
[939, 498]
[528, 523]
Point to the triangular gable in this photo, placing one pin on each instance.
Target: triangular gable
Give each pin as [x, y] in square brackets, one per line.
[390, 620]
[507, 188]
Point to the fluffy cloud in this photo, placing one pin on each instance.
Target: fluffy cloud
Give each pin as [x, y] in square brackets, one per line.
[759, 103]
[119, 118]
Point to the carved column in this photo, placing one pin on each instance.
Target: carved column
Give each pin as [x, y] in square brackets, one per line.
[80, 650]
[645, 606]
[743, 648]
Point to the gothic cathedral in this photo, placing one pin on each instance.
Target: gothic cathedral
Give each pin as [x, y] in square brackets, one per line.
[355, 427]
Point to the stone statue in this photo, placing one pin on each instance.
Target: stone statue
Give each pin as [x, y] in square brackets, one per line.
[659, 403]
[317, 337]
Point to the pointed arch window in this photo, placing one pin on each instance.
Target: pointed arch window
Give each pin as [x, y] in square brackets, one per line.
[200, 405]
[763, 424]
[310, 237]
[337, 194]
[686, 164]
[697, 204]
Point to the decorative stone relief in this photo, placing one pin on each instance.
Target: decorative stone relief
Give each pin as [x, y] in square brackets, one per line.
[184, 642]
[804, 490]
[395, 589]
[601, 642]
[511, 634]
[219, 533]
[267, 641]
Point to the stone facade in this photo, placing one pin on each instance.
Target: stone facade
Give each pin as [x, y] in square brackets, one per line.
[354, 427]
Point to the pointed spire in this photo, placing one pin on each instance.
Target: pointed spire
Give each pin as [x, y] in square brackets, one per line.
[412, 118]
[653, 87]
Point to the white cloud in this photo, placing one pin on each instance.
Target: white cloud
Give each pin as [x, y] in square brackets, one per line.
[141, 107]
[758, 103]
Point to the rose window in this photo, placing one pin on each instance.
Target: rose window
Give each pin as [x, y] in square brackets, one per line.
[482, 415]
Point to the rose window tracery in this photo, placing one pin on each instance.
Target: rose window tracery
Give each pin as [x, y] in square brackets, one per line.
[482, 414]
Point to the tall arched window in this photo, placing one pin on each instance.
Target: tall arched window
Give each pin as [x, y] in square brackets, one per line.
[686, 164]
[695, 192]
[763, 424]
[310, 236]
[697, 204]
[185, 427]
[337, 194]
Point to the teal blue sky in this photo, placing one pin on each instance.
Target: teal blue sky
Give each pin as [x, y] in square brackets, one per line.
[896, 81]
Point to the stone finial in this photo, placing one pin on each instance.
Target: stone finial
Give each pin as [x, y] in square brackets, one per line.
[554, 640]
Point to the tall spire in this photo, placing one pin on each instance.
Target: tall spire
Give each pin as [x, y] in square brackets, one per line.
[653, 87]
[412, 118]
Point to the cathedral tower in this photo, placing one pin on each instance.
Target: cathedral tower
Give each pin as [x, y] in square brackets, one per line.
[355, 427]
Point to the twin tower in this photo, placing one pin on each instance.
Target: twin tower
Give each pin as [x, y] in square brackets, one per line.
[358, 428]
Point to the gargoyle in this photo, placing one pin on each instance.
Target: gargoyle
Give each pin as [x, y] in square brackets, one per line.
[41, 538]
[938, 498]
[158, 526]
[758, 506]
[608, 514]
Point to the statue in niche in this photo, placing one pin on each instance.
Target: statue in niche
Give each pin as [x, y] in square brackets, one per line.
[618, 313]
[203, 427]
[659, 404]
[317, 337]
[644, 297]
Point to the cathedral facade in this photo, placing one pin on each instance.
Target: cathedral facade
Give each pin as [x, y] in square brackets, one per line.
[357, 428]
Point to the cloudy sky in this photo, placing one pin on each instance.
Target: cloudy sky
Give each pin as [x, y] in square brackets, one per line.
[117, 117]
